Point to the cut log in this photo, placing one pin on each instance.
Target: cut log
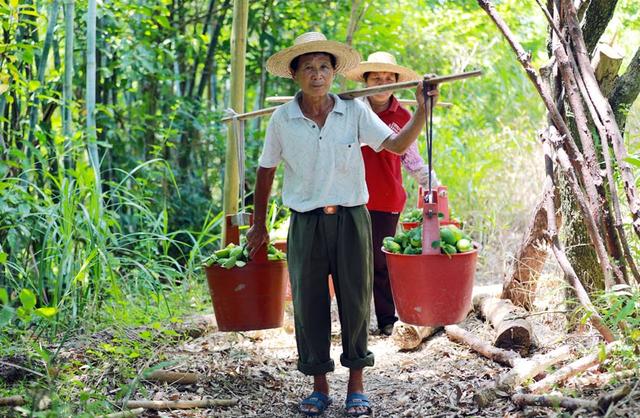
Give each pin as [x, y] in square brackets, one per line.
[158, 405]
[16, 400]
[173, 377]
[504, 357]
[522, 370]
[606, 62]
[571, 369]
[408, 337]
[513, 332]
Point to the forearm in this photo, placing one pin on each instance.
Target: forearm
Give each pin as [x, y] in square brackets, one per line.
[399, 143]
[264, 181]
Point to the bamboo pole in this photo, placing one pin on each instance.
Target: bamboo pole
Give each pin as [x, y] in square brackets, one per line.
[92, 146]
[403, 102]
[67, 94]
[238, 51]
[368, 91]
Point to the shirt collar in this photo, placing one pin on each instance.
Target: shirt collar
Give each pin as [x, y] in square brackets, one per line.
[393, 106]
[294, 110]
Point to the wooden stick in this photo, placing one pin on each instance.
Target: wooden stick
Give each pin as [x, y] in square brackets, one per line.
[601, 405]
[404, 102]
[408, 337]
[571, 369]
[126, 414]
[158, 405]
[16, 400]
[558, 250]
[513, 332]
[522, 370]
[369, 91]
[173, 377]
[522, 399]
[504, 357]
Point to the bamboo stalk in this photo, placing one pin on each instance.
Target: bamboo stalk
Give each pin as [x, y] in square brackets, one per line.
[238, 52]
[159, 405]
[67, 94]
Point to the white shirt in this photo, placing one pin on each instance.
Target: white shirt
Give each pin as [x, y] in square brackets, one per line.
[322, 166]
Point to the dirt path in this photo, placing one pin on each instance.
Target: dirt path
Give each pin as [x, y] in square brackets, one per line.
[439, 378]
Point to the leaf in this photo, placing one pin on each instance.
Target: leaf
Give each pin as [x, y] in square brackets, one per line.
[3, 257]
[633, 161]
[3, 88]
[6, 315]
[4, 296]
[46, 311]
[436, 244]
[28, 299]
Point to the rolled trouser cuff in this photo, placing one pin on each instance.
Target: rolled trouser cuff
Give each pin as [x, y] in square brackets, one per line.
[315, 369]
[358, 363]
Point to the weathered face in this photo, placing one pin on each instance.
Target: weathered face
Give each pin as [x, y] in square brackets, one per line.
[380, 78]
[314, 74]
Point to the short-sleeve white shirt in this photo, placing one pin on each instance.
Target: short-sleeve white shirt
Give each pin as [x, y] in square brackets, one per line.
[322, 166]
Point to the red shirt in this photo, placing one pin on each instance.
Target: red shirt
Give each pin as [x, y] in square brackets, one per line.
[382, 169]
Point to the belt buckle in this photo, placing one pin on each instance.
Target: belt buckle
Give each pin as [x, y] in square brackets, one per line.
[330, 210]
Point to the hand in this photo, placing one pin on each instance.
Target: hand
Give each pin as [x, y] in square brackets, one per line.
[257, 236]
[433, 92]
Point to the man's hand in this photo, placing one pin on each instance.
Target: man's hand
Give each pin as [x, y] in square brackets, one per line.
[257, 236]
[434, 92]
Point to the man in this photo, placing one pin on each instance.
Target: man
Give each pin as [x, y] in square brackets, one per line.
[387, 197]
[317, 136]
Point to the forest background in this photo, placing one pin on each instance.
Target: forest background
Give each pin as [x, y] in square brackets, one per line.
[112, 163]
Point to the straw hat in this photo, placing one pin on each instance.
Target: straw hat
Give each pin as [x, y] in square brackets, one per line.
[346, 57]
[381, 62]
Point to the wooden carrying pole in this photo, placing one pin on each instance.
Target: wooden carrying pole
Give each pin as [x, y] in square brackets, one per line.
[369, 91]
[403, 102]
[238, 52]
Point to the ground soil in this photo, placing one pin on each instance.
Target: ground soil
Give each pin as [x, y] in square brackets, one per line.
[438, 378]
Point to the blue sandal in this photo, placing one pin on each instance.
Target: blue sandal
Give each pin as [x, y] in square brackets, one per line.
[355, 400]
[318, 400]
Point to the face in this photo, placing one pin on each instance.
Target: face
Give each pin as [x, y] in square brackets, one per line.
[314, 74]
[380, 78]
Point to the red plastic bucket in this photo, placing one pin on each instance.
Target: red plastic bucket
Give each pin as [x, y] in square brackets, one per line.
[432, 290]
[407, 226]
[250, 297]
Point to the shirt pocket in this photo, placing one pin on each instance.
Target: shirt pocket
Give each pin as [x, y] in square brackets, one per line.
[346, 156]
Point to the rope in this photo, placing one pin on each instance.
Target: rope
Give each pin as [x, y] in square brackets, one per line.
[426, 88]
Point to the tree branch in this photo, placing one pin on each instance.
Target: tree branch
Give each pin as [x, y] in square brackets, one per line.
[596, 21]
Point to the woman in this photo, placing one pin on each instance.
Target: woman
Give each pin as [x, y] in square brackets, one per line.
[384, 178]
[317, 136]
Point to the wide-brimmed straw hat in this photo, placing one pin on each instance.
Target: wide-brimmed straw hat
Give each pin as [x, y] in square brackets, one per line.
[346, 57]
[381, 62]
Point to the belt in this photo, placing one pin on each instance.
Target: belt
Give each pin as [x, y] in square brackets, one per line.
[324, 210]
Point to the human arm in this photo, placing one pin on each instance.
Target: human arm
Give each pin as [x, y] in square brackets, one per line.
[258, 234]
[400, 142]
[416, 167]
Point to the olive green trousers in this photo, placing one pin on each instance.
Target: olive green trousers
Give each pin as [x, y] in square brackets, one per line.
[318, 245]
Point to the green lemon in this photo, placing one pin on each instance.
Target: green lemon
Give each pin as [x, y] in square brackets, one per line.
[464, 245]
[447, 235]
